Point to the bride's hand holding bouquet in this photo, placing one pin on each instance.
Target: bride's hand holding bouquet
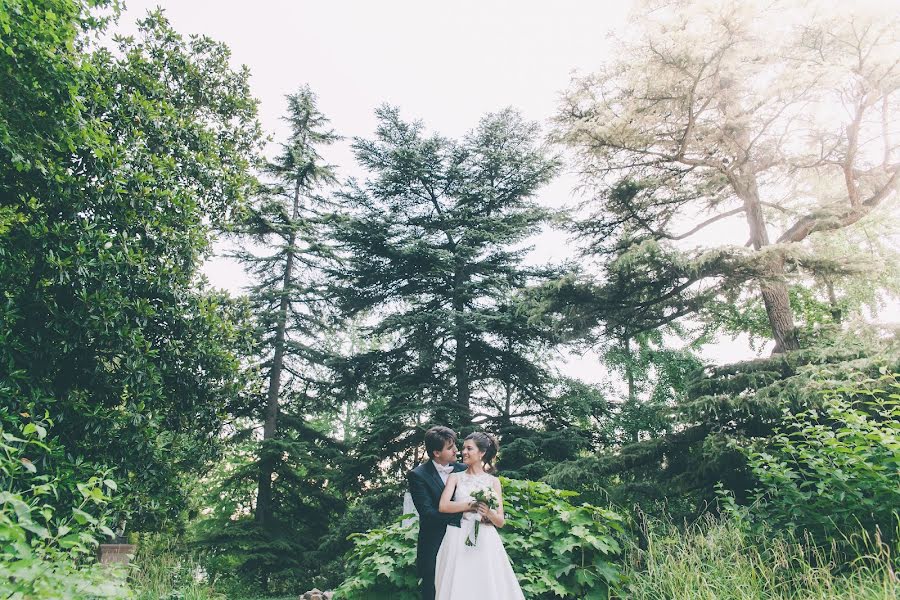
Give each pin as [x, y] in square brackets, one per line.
[488, 497]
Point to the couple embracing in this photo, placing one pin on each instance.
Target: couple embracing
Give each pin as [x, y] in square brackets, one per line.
[460, 505]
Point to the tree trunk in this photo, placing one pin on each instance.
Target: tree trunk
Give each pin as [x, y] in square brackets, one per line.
[506, 418]
[781, 317]
[629, 378]
[349, 413]
[836, 312]
[267, 461]
[773, 288]
[460, 362]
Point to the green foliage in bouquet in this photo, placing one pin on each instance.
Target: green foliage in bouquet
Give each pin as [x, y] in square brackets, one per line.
[558, 549]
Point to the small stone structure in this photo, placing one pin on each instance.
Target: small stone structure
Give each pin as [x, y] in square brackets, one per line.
[116, 553]
[315, 594]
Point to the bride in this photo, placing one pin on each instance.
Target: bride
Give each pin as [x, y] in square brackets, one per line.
[472, 562]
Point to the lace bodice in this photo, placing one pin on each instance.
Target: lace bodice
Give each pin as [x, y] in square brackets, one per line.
[466, 484]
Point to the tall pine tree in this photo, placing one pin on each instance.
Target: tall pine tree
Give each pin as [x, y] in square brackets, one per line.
[433, 249]
[296, 457]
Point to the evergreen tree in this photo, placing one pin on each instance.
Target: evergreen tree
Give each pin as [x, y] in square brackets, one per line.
[296, 456]
[698, 123]
[285, 297]
[724, 407]
[432, 257]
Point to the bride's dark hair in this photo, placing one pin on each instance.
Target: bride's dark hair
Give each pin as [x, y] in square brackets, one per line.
[486, 443]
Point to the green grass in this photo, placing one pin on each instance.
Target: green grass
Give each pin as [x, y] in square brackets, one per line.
[712, 560]
[161, 572]
[716, 560]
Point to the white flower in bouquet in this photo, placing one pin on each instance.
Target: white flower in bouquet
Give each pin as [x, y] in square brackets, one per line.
[488, 496]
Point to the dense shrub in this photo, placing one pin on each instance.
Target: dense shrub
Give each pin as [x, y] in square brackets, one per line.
[834, 471]
[46, 552]
[374, 510]
[558, 549]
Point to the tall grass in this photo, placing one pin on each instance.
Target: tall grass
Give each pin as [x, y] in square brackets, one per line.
[162, 571]
[711, 560]
[717, 560]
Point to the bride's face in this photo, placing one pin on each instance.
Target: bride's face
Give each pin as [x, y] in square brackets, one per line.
[471, 455]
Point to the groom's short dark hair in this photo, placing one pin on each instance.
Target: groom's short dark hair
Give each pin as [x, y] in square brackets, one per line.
[436, 439]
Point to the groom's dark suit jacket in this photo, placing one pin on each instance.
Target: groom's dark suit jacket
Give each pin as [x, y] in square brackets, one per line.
[425, 487]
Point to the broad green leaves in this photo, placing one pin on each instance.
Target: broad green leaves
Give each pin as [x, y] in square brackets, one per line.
[834, 470]
[558, 549]
[47, 551]
[127, 171]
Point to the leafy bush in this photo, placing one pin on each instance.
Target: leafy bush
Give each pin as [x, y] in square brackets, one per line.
[374, 510]
[835, 470]
[44, 552]
[382, 564]
[558, 549]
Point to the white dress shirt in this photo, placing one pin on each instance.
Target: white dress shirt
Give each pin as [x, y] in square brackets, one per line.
[443, 471]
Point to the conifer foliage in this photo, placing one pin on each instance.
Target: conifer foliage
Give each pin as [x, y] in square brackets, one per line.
[432, 247]
[294, 458]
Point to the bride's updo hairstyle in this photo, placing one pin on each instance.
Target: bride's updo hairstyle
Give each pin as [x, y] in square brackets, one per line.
[486, 443]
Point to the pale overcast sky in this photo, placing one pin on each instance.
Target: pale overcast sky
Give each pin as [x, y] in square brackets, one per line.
[446, 63]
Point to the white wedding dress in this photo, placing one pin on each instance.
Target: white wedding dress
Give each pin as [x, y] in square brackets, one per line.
[467, 572]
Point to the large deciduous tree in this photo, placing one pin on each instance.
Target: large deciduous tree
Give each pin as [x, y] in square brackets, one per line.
[112, 183]
[737, 157]
[782, 115]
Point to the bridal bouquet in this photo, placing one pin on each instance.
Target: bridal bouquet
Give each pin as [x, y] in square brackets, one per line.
[487, 496]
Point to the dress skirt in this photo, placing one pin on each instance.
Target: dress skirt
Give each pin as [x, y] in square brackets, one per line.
[468, 573]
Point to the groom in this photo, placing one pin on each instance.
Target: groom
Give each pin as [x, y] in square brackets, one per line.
[426, 483]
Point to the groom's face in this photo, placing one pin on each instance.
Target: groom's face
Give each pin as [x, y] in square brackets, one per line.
[447, 455]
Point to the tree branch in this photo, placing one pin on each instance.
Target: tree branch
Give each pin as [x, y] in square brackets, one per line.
[820, 222]
[708, 222]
